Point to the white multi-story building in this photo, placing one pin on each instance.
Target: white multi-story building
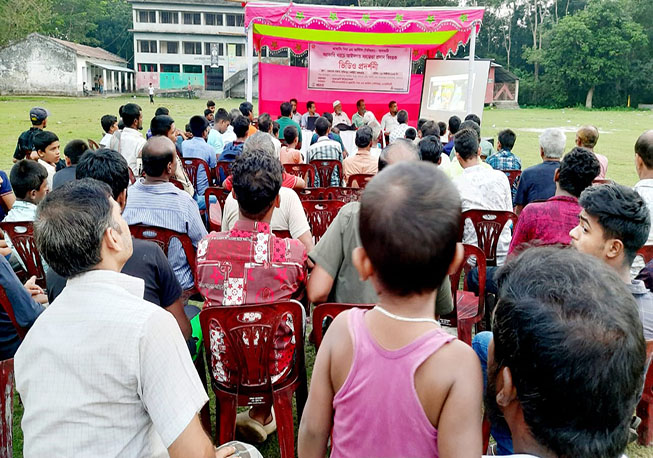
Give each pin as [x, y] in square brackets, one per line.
[174, 42]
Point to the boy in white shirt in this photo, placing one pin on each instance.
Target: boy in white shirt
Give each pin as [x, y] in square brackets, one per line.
[46, 144]
[110, 125]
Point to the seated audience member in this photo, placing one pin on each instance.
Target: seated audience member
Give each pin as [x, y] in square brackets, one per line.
[296, 116]
[211, 105]
[275, 129]
[430, 128]
[487, 149]
[6, 194]
[537, 182]
[147, 261]
[444, 139]
[334, 277]
[265, 125]
[46, 145]
[229, 135]
[339, 116]
[197, 148]
[109, 125]
[597, 365]
[587, 137]
[308, 119]
[420, 124]
[233, 149]
[100, 324]
[73, 152]
[220, 126]
[247, 110]
[455, 169]
[25, 146]
[430, 149]
[358, 119]
[389, 120]
[362, 161]
[644, 168]
[256, 260]
[325, 148]
[163, 111]
[549, 223]
[208, 115]
[505, 159]
[383, 374]
[613, 225]
[131, 141]
[399, 131]
[164, 125]
[454, 126]
[154, 201]
[370, 121]
[411, 134]
[289, 153]
[114, 141]
[332, 134]
[285, 120]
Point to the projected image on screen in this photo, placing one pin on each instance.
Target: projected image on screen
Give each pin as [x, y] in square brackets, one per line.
[447, 93]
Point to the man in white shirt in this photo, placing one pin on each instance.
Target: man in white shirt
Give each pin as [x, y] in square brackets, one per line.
[310, 113]
[296, 116]
[229, 136]
[151, 93]
[389, 120]
[399, 131]
[644, 167]
[220, 126]
[339, 116]
[103, 372]
[131, 140]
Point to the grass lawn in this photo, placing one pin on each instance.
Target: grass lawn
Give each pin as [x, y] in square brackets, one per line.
[79, 118]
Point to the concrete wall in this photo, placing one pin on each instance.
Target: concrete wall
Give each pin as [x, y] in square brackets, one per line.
[37, 66]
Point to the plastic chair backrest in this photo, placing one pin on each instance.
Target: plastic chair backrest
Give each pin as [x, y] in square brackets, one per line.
[600, 181]
[329, 310]
[191, 167]
[7, 407]
[163, 237]
[7, 306]
[471, 251]
[488, 225]
[21, 234]
[92, 144]
[222, 171]
[132, 178]
[282, 234]
[177, 183]
[240, 344]
[304, 171]
[648, 382]
[359, 180]
[346, 195]
[324, 168]
[320, 214]
[513, 177]
[311, 193]
[221, 194]
[646, 252]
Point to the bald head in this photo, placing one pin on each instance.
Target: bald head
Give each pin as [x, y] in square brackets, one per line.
[587, 137]
[399, 151]
[158, 156]
[644, 148]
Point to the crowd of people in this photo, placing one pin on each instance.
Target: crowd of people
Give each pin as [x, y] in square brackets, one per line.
[106, 367]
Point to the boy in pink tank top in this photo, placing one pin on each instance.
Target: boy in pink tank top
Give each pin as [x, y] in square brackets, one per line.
[389, 382]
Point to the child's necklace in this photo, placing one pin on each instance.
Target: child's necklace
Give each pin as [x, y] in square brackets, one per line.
[403, 318]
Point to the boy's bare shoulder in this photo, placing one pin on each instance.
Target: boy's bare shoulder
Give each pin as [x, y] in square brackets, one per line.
[453, 360]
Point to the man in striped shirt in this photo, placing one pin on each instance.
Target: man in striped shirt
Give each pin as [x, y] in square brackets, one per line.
[154, 201]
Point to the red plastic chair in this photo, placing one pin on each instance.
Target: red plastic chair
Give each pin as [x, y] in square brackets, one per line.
[177, 183]
[191, 167]
[7, 306]
[513, 177]
[359, 180]
[645, 406]
[311, 193]
[132, 178]
[7, 407]
[21, 234]
[282, 234]
[468, 308]
[646, 252]
[600, 181]
[345, 195]
[488, 225]
[239, 343]
[215, 218]
[304, 171]
[320, 213]
[225, 168]
[163, 237]
[325, 169]
[93, 145]
[329, 310]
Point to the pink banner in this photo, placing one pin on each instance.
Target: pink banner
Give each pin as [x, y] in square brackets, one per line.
[280, 83]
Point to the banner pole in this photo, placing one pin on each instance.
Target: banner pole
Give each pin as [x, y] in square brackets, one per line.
[470, 79]
[250, 61]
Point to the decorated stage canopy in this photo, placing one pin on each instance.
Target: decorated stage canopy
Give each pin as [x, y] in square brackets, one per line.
[426, 31]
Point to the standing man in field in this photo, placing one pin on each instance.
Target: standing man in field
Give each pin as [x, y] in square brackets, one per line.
[151, 92]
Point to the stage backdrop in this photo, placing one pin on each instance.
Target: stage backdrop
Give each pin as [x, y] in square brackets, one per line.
[280, 83]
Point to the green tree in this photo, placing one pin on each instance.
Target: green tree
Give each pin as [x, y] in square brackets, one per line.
[20, 18]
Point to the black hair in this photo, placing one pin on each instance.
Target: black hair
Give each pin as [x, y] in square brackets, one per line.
[246, 108]
[264, 122]
[107, 122]
[130, 113]
[198, 125]
[187, 128]
[454, 124]
[410, 134]
[322, 126]
[207, 112]
[74, 150]
[286, 109]
[221, 115]
[473, 117]
[328, 116]
[430, 149]
[157, 153]
[121, 124]
[105, 165]
[466, 143]
[309, 103]
[162, 111]
[210, 104]
[256, 182]
[290, 134]
[473, 126]
[359, 102]
[443, 127]
[421, 122]
[241, 126]
[622, 213]
[275, 128]
[567, 328]
[43, 138]
[71, 223]
[391, 102]
[430, 128]
[410, 216]
[364, 137]
[293, 100]
[644, 148]
[507, 139]
[402, 117]
[578, 169]
[27, 175]
[161, 124]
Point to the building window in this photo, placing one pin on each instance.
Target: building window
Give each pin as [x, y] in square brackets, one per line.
[236, 20]
[192, 69]
[147, 46]
[240, 50]
[213, 19]
[207, 49]
[169, 17]
[192, 47]
[147, 68]
[169, 47]
[169, 68]
[193, 18]
[147, 16]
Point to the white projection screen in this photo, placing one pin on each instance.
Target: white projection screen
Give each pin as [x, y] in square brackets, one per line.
[444, 91]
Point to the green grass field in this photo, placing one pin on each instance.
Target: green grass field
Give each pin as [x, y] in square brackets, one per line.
[73, 118]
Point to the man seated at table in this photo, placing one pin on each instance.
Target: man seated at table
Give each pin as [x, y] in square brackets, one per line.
[547, 223]
[357, 120]
[362, 161]
[588, 137]
[399, 131]
[339, 116]
[285, 120]
[389, 120]
[250, 265]
[296, 115]
[308, 119]
[154, 201]
[325, 148]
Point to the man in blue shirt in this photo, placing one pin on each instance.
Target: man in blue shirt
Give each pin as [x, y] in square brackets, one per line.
[197, 148]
